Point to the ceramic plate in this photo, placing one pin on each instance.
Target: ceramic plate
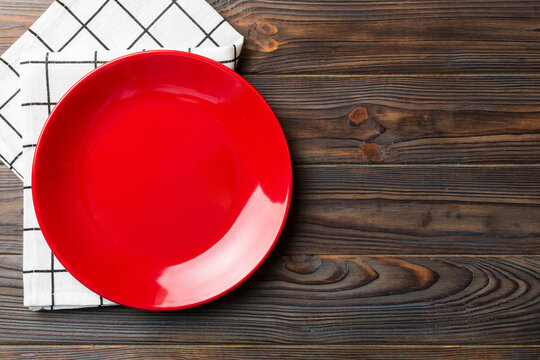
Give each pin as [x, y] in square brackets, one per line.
[162, 180]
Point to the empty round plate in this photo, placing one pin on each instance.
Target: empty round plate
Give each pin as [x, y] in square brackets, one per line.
[162, 180]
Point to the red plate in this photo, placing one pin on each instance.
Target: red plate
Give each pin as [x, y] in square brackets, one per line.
[162, 180]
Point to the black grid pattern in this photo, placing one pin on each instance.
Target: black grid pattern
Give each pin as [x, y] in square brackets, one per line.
[9, 66]
[84, 26]
[96, 64]
[44, 271]
[49, 109]
[41, 68]
[211, 29]
[4, 119]
[206, 36]
[40, 39]
[11, 163]
[93, 61]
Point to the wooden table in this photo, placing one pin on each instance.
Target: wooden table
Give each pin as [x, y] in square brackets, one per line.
[414, 128]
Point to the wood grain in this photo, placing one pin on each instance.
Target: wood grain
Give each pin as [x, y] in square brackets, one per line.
[392, 37]
[11, 212]
[430, 119]
[16, 17]
[126, 352]
[415, 210]
[385, 210]
[407, 119]
[395, 97]
[316, 300]
[358, 36]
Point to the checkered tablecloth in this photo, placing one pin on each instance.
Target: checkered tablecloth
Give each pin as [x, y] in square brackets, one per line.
[70, 39]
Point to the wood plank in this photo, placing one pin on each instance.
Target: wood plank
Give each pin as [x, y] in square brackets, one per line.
[355, 36]
[460, 184]
[385, 210]
[414, 210]
[16, 17]
[315, 300]
[358, 36]
[11, 212]
[264, 352]
[407, 119]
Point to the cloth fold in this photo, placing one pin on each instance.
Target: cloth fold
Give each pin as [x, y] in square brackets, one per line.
[70, 39]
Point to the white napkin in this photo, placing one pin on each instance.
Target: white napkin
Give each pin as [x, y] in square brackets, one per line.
[72, 38]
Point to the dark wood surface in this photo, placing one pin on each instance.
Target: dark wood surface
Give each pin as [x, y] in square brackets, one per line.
[270, 352]
[430, 119]
[414, 128]
[326, 299]
[356, 210]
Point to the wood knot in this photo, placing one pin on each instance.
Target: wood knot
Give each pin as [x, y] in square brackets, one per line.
[370, 153]
[270, 45]
[418, 277]
[358, 116]
[315, 270]
[260, 36]
[368, 127]
[265, 28]
[303, 264]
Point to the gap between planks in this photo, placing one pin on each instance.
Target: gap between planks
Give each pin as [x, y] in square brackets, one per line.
[494, 256]
[373, 165]
[379, 75]
[278, 346]
[418, 165]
